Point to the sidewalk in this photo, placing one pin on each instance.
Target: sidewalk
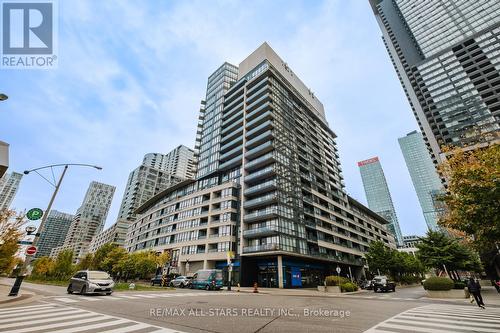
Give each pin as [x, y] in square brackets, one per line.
[292, 292]
[490, 297]
[22, 297]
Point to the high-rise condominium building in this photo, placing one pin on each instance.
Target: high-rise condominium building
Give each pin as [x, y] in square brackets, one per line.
[378, 195]
[180, 162]
[269, 187]
[446, 54]
[156, 173]
[423, 175]
[54, 232]
[89, 220]
[9, 184]
[4, 158]
[115, 234]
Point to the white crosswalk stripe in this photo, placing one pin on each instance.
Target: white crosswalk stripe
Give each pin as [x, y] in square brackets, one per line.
[442, 318]
[56, 318]
[116, 297]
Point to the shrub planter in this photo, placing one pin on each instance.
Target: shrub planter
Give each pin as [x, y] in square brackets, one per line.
[453, 293]
[329, 289]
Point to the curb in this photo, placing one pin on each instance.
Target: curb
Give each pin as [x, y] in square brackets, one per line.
[17, 298]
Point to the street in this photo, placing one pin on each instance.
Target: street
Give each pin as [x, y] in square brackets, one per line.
[221, 311]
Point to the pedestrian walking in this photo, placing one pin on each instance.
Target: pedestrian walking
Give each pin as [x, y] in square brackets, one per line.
[475, 289]
[497, 285]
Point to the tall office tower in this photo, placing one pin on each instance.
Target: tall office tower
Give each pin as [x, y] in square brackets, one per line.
[378, 195]
[445, 53]
[89, 220]
[54, 232]
[272, 193]
[9, 184]
[180, 162]
[423, 175]
[208, 161]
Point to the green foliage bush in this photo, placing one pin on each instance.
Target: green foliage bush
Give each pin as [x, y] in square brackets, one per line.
[459, 285]
[334, 280]
[410, 279]
[438, 283]
[348, 287]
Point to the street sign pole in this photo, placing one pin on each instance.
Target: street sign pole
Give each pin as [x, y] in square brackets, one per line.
[27, 261]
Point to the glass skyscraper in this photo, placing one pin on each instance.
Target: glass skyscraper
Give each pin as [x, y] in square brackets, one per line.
[423, 175]
[54, 232]
[378, 195]
[447, 56]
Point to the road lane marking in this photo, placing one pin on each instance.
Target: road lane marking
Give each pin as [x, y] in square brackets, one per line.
[93, 326]
[66, 300]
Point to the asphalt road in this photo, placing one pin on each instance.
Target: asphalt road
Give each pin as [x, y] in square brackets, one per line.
[210, 311]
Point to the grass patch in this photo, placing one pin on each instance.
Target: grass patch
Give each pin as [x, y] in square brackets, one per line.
[62, 283]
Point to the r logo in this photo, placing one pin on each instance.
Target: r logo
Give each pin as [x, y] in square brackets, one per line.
[27, 28]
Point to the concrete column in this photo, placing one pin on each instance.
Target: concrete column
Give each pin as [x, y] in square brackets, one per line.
[280, 272]
[205, 264]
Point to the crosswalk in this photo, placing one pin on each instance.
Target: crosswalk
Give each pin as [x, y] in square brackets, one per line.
[68, 299]
[442, 318]
[55, 318]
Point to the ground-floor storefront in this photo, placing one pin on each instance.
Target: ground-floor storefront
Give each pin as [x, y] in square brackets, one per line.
[291, 272]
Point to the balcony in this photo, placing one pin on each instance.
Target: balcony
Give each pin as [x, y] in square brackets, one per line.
[261, 161]
[232, 162]
[238, 123]
[258, 86]
[261, 232]
[260, 188]
[261, 248]
[264, 107]
[258, 101]
[258, 120]
[232, 153]
[254, 95]
[261, 214]
[231, 144]
[259, 129]
[266, 136]
[261, 201]
[233, 118]
[259, 150]
[261, 174]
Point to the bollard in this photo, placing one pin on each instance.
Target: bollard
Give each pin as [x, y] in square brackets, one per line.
[238, 290]
[255, 290]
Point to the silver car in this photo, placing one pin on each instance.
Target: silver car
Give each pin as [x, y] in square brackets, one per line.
[180, 281]
[91, 282]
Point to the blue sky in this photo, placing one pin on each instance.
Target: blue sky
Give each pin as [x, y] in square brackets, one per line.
[131, 76]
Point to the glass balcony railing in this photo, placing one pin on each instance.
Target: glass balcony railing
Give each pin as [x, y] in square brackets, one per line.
[261, 161]
[261, 173]
[232, 152]
[260, 248]
[261, 187]
[258, 101]
[266, 125]
[260, 232]
[261, 214]
[266, 115]
[263, 148]
[237, 124]
[233, 118]
[268, 198]
[231, 162]
[267, 135]
[231, 143]
[258, 110]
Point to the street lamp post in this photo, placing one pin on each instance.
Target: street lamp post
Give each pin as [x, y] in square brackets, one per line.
[17, 285]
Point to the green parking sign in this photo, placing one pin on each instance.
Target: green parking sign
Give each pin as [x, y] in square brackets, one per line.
[34, 214]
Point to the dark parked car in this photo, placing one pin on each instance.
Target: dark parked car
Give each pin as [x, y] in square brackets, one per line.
[158, 280]
[383, 283]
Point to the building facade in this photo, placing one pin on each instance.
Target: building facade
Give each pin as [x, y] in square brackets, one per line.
[89, 220]
[9, 184]
[54, 232]
[4, 158]
[115, 234]
[378, 195]
[409, 244]
[423, 175]
[447, 57]
[269, 186]
[180, 162]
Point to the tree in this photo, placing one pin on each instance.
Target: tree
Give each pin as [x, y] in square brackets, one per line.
[379, 257]
[43, 268]
[64, 268]
[10, 234]
[162, 259]
[472, 199]
[85, 263]
[110, 263]
[101, 254]
[440, 252]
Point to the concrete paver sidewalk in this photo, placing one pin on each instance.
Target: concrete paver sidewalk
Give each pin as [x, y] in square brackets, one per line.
[5, 299]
